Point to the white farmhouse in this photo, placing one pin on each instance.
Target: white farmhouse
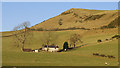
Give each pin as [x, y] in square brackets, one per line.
[51, 48]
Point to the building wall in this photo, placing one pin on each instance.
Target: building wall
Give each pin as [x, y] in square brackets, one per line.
[51, 49]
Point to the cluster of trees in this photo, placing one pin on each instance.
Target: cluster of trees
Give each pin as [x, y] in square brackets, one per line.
[75, 38]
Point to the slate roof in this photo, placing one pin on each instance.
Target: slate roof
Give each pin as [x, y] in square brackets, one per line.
[52, 46]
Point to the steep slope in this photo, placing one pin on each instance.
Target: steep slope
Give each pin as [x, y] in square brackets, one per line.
[79, 18]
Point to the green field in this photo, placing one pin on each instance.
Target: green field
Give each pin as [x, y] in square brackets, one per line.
[13, 56]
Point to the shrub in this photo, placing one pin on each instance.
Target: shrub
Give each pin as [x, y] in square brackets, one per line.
[99, 40]
[65, 46]
[65, 13]
[76, 15]
[106, 39]
[60, 22]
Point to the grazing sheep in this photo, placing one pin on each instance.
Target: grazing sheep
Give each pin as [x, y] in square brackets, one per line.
[106, 63]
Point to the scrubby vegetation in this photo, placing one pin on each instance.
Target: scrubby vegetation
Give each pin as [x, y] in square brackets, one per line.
[65, 13]
[60, 22]
[94, 17]
[78, 21]
[113, 24]
[116, 36]
[74, 28]
[75, 14]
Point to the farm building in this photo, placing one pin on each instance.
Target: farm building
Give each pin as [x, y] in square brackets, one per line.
[51, 48]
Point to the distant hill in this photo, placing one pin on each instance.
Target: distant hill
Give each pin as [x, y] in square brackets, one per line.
[80, 18]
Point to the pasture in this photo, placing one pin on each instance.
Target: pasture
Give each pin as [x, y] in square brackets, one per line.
[13, 56]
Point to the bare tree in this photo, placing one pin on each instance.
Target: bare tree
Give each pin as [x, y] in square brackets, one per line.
[21, 33]
[48, 39]
[74, 39]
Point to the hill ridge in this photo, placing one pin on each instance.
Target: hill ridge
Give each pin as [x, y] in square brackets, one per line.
[79, 18]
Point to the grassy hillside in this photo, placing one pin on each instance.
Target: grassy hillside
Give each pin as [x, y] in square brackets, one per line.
[13, 56]
[79, 18]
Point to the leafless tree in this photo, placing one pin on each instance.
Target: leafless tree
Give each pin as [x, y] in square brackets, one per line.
[22, 33]
[75, 38]
[48, 39]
